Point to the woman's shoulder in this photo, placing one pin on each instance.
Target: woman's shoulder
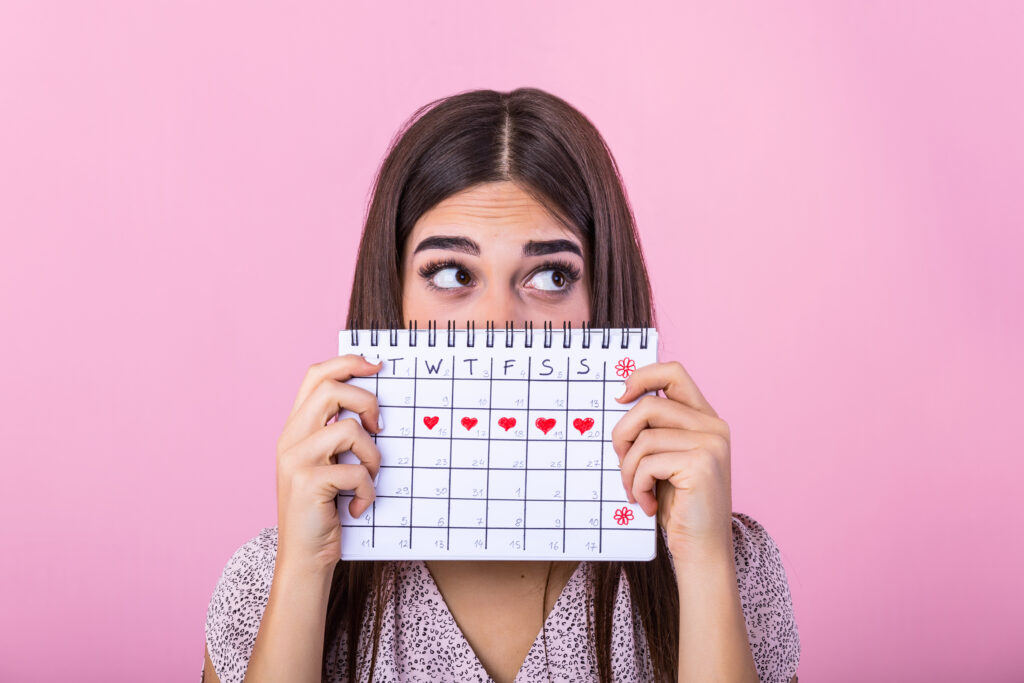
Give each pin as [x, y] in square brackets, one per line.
[752, 543]
[765, 598]
[236, 607]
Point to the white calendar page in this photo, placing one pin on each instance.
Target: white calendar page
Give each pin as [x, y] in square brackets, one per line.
[498, 452]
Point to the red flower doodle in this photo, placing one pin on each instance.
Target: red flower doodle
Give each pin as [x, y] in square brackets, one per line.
[625, 367]
[623, 515]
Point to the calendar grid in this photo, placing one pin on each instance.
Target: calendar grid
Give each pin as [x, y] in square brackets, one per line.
[455, 478]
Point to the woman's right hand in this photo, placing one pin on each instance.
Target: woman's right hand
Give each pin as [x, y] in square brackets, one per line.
[308, 474]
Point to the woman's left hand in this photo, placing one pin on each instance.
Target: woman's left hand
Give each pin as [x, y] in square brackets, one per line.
[674, 454]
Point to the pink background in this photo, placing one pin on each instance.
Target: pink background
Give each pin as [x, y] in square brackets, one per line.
[829, 196]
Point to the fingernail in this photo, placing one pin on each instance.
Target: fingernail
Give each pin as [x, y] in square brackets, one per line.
[380, 422]
[376, 477]
[623, 392]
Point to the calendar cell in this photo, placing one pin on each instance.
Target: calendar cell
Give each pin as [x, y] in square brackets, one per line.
[586, 485]
[471, 394]
[508, 424]
[508, 455]
[505, 514]
[546, 425]
[471, 454]
[508, 393]
[546, 455]
[390, 541]
[392, 511]
[394, 393]
[586, 395]
[394, 481]
[431, 482]
[544, 540]
[468, 541]
[629, 544]
[582, 542]
[434, 393]
[585, 425]
[545, 484]
[469, 484]
[430, 512]
[365, 519]
[469, 513]
[432, 542]
[506, 541]
[432, 424]
[580, 455]
[543, 514]
[360, 538]
[548, 395]
[624, 516]
[583, 515]
[506, 484]
[614, 489]
[432, 453]
[470, 424]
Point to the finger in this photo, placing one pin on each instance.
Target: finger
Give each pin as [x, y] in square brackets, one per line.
[675, 467]
[326, 482]
[655, 441]
[657, 411]
[340, 368]
[321, 447]
[683, 470]
[328, 399]
[672, 378]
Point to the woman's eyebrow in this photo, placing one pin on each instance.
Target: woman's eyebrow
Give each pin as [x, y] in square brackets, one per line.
[468, 246]
[533, 248]
[463, 244]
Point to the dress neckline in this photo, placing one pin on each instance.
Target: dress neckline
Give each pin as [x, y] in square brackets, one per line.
[441, 609]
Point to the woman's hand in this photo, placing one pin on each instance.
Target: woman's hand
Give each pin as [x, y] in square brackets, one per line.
[308, 474]
[680, 439]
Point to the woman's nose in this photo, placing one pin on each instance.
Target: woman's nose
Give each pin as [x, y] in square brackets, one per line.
[499, 308]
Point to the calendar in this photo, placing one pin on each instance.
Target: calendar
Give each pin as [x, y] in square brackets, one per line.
[496, 444]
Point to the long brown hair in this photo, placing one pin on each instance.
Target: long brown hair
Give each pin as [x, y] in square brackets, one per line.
[554, 153]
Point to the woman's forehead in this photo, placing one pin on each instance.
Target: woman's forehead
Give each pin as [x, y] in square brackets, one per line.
[487, 218]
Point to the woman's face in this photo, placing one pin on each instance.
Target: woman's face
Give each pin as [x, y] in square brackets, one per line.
[493, 253]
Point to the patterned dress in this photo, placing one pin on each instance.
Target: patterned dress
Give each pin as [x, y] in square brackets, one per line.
[421, 642]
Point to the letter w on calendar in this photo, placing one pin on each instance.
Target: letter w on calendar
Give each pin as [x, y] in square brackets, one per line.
[498, 451]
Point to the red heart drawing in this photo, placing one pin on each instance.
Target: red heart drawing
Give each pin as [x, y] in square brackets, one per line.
[584, 424]
[507, 423]
[545, 424]
[430, 421]
[469, 422]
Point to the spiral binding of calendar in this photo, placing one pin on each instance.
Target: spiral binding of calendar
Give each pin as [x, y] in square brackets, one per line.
[510, 334]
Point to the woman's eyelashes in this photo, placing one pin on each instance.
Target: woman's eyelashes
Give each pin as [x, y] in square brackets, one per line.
[554, 276]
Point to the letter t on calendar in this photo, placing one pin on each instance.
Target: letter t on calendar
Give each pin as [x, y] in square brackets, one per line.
[497, 445]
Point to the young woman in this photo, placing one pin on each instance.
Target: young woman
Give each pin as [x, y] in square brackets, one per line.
[504, 207]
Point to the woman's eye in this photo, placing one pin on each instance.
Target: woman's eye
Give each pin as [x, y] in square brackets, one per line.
[554, 280]
[451, 278]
